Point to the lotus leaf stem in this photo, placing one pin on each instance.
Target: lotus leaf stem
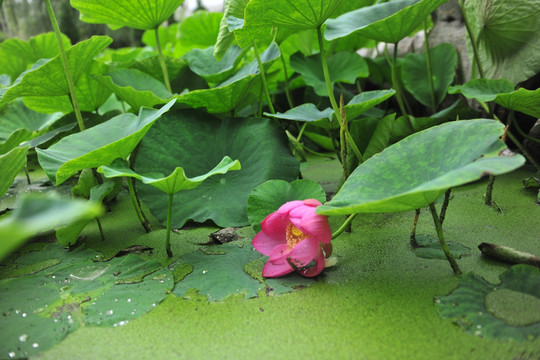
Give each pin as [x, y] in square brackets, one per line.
[262, 71]
[162, 62]
[65, 64]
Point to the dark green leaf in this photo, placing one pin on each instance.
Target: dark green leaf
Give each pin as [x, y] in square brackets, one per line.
[344, 67]
[198, 141]
[270, 195]
[415, 75]
[483, 89]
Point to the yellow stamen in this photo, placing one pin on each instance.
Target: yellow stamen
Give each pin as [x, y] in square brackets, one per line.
[294, 235]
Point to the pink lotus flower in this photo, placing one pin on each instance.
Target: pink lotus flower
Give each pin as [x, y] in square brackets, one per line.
[293, 237]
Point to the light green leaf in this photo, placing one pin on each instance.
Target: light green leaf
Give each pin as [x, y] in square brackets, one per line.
[326, 119]
[91, 94]
[225, 37]
[47, 78]
[304, 112]
[415, 75]
[523, 100]
[200, 30]
[381, 136]
[11, 163]
[387, 22]
[20, 124]
[203, 63]
[99, 145]
[198, 141]
[270, 195]
[403, 178]
[16, 55]
[136, 88]
[483, 89]
[292, 14]
[507, 38]
[35, 213]
[172, 183]
[343, 66]
[144, 15]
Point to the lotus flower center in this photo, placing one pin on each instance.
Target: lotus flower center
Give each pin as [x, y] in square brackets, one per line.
[294, 235]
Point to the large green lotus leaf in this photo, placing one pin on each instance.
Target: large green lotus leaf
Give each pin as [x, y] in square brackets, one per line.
[387, 22]
[203, 63]
[344, 66]
[232, 8]
[523, 100]
[200, 30]
[506, 311]
[99, 145]
[414, 172]
[35, 213]
[483, 89]
[16, 55]
[226, 96]
[144, 15]
[20, 124]
[270, 195]
[506, 33]
[198, 141]
[11, 163]
[415, 75]
[293, 14]
[91, 94]
[172, 183]
[47, 78]
[136, 88]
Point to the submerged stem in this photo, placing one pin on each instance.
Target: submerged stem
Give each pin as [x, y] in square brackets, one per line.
[65, 64]
[168, 236]
[162, 62]
[444, 245]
